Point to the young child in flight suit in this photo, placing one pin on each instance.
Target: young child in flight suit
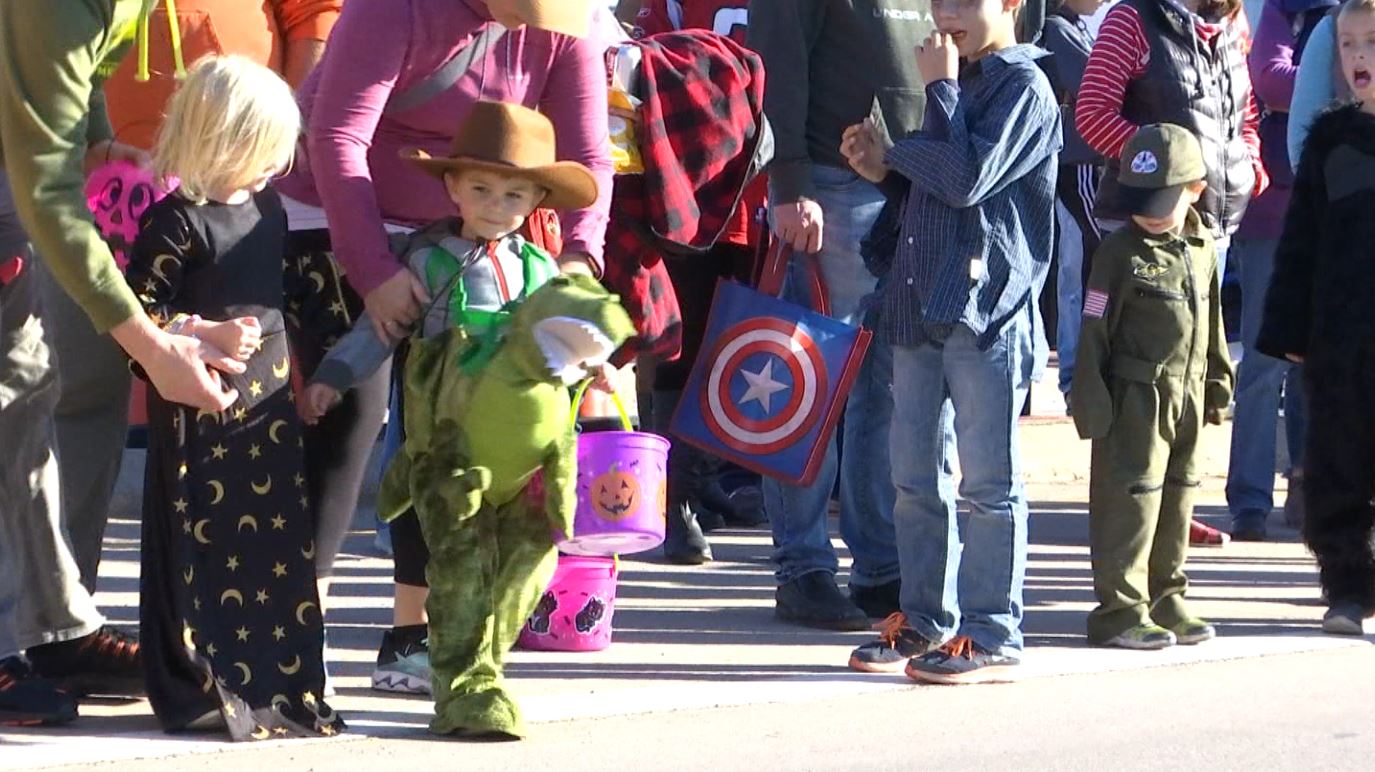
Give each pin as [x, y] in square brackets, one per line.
[1152, 368]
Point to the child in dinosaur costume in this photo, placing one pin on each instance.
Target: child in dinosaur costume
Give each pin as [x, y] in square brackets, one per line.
[489, 461]
[474, 443]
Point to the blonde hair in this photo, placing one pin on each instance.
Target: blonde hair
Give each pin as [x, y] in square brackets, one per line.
[228, 124]
[1355, 5]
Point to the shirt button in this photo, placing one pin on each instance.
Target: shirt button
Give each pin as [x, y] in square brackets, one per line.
[910, 240]
[909, 282]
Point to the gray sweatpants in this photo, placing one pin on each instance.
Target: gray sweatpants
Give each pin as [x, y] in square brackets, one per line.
[92, 421]
[41, 596]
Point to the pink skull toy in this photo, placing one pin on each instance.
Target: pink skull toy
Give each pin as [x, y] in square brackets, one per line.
[118, 194]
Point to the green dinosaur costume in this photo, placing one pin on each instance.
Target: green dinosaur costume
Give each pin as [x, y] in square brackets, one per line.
[475, 441]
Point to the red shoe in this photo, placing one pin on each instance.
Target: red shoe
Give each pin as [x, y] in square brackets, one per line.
[1201, 535]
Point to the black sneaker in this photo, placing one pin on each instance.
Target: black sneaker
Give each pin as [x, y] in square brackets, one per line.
[403, 667]
[814, 600]
[104, 663]
[1249, 526]
[27, 700]
[879, 601]
[896, 644]
[961, 661]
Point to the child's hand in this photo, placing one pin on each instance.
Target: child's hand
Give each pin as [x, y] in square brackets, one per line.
[1295, 358]
[239, 338]
[938, 58]
[319, 399]
[864, 148]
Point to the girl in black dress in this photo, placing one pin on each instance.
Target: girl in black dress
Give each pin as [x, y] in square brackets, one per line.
[230, 617]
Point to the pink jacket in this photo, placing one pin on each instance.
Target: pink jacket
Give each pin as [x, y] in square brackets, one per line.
[381, 46]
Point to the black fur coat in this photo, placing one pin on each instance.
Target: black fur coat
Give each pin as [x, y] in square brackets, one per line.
[1323, 290]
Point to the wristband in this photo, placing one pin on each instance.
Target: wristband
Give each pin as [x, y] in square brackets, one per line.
[183, 324]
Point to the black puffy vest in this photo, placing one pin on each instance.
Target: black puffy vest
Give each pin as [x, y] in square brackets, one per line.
[1202, 86]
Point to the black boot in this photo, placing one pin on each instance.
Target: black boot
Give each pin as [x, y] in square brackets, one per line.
[684, 542]
[742, 507]
[701, 475]
[814, 600]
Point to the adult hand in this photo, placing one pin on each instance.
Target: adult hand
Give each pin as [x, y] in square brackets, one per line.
[603, 379]
[181, 368]
[800, 224]
[863, 148]
[938, 58]
[108, 150]
[395, 304]
[576, 263]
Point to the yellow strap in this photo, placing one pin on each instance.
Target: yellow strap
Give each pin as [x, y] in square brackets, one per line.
[142, 74]
[174, 30]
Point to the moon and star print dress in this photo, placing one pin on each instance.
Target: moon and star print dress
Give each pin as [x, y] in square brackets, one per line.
[230, 617]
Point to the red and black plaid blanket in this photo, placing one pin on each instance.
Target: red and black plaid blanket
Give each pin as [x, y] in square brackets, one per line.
[700, 123]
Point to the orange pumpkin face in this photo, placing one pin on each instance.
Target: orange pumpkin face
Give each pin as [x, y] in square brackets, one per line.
[615, 495]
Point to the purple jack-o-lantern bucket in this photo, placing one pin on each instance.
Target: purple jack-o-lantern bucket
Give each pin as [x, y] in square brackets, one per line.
[622, 493]
[574, 614]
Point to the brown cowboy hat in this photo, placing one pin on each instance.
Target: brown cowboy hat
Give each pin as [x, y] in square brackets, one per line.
[569, 17]
[515, 141]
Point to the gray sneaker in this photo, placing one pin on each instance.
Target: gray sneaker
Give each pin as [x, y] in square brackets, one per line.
[1344, 619]
[404, 669]
[895, 644]
[1143, 637]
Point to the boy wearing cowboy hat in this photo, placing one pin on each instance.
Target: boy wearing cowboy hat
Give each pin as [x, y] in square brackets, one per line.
[479, 271]
[500, 168]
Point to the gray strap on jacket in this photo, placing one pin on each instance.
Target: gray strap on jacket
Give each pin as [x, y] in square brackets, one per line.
[447, 75]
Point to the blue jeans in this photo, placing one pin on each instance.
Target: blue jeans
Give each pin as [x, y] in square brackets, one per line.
[962, 576]
[1069, 285]
[802, 542]
[393, 437]
[1260, 380]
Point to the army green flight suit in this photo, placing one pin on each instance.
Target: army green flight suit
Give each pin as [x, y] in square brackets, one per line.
[1152, 367]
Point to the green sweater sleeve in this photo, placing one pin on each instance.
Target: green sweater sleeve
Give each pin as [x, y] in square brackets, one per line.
[50, 110]
[97, 119]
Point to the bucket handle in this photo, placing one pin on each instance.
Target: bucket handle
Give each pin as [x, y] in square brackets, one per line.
[615, 398]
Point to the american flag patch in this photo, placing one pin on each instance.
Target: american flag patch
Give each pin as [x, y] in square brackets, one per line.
[1095, 304]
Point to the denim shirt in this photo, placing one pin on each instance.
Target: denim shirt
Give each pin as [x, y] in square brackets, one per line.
[977, 227]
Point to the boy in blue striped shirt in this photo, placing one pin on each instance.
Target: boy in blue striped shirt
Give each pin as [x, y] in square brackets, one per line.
[959, 307]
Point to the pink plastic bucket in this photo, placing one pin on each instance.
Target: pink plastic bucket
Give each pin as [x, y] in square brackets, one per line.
[574, 614]
[622, 488]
